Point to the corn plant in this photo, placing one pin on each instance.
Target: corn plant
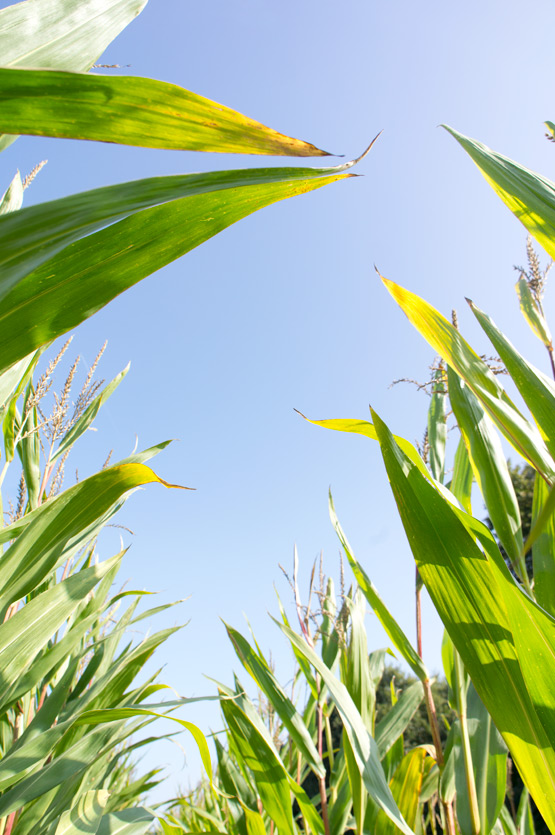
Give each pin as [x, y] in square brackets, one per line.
[83, 250]
[70, 698]
[282, 765]
[499, 617]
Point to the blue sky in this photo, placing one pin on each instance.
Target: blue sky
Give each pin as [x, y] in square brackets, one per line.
[285, 310]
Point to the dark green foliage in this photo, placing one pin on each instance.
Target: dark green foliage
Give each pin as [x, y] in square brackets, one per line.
[418, 731]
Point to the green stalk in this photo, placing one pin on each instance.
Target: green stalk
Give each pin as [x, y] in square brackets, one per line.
[460, 696]
[431, 709]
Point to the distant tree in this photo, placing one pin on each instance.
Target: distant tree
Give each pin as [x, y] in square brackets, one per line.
[418, 732]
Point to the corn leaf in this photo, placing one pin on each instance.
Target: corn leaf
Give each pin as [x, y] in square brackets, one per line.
[536, 388]
[406, 785]
[87, 274]
[449, 344]
[60, 34]
[504, 639]
[396, 721]
[528, 195]
[126, 822]
[489, 465]
[532, 312]
[13, 196]
[132, 111]
[396, 634]
[61, 526]
[437, 425]
[543, 552]
[363, 745]
[84, 818]
[461, 483]
[489, 761]
[259, 669]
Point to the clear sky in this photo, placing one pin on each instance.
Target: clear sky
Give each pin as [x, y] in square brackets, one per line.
[285, 311]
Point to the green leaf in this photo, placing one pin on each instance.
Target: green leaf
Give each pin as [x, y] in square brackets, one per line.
[61, 526]
[489, 760]
[257, 749]
[504, 639]
[525, 820]
[396, 721]
[532, 313]
[135, 111]
[449, 344]
[58, 34]
[13, 196]
[365, 428]
[363, 745]
[461, 483]
[528, 195]
[396, 634]
[490, 468]
[87, 274]
[258, 667]
[437, 425]
[61, 35]
[535, 387]
[29, 630]
[406, 785]
[84, 818]
[126, 822]
[543, 552]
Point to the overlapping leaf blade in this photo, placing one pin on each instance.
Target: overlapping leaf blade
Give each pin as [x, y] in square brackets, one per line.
[87, 274]
[132, 111]
[530, 196]
[450, 345]
[494, 626]
[362, 743]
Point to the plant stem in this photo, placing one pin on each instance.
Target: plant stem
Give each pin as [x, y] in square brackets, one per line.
[431, 710]
[467, 753]
[322, 780]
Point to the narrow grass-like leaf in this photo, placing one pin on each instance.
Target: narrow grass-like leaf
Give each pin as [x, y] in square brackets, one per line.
[126, 822]
[60, 34]
[406, 785]
[536, 388]
[265, 679]
[60, 525]
[33, 235]
[396, 634]
[29, 630]
[449, 344]
[489, 760]
[528, 195]
[263, 761]
[437, 425]
[498, 631]
[56, 33]
[12, 198]
[396, 721]
[87, 274]
[132, 111]
[489, 466]
[365, 428]
[84, 818]
[543, 552]
[461, 483]
[531, 312]
[364, 746]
